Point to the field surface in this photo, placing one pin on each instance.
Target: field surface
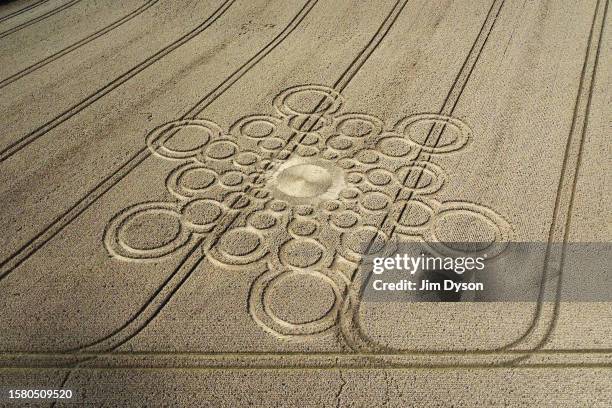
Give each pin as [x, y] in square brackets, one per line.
[190, 192]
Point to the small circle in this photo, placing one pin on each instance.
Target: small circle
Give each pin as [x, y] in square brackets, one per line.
[374, 201]
[303, 227]
[283, 155]
[331, 205]
[354, 178]
[246, 159]
[232, 178]
[301, 253]
[201, 213]
[255, 179]
[346, 163]
[258, 128]
[255, 126]
[278, 205]
[304, 180]
[340, 142]
[379, 177]
[358, 125]
[349, 193]
[394, 146]
[261, 194]
[221, 150]
[330, 155]
[355, 128]
[304, 210]
[309, 139]
[299, 298]
[262, 220]
[367, 156]
[306, 151]
[196, 179]
[271, 143]
[239, 242]
[264, 164]
[345, 219]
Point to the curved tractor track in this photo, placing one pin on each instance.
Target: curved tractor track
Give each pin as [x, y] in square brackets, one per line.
[212, 192]
[23, 141]
[38, 19]
[23, 10]
[86, 40]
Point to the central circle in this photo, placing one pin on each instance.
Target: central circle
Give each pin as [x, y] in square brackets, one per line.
[304, 180]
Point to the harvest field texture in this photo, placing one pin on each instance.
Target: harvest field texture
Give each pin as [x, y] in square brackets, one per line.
[192, 193]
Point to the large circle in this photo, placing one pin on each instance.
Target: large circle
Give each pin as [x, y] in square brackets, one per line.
[255, 126]
[358, 125]
[146, 231]
[307, 100]
[166, 141]
[464, 230]
[421, 177]
[190, 180]
[418, 129]
[187, 139]
[460, 226]
[299, 298]
[150, 230]
[295, 304]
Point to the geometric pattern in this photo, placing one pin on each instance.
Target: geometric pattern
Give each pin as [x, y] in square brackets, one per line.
[310, 192]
